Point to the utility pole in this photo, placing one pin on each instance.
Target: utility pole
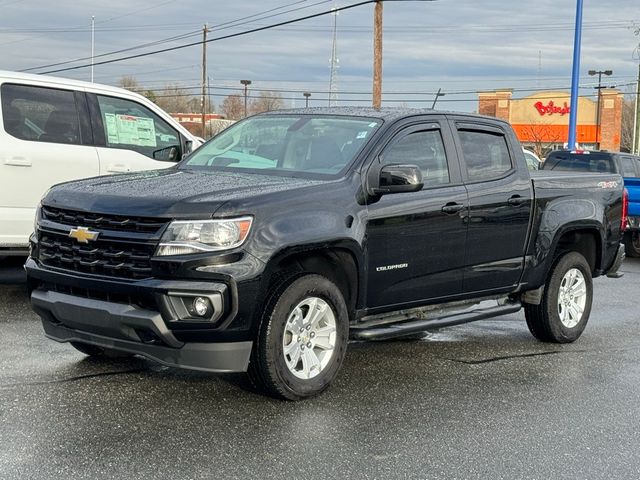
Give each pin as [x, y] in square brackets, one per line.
[204, 80]
[93, 42]
[377, 55]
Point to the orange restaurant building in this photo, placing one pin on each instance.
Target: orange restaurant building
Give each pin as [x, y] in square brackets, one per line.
[541, 121]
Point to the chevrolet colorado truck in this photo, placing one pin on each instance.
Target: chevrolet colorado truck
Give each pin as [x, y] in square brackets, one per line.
[290, 232]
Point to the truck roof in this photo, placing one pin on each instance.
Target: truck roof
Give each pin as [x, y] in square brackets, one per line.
[386, 113]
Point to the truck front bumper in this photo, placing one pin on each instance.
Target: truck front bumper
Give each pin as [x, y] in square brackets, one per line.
[129, 328]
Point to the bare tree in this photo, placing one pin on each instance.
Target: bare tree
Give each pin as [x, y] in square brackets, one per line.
[267, 101]
[233, 107]
[130, 83]
[176, 99]
[543, 137]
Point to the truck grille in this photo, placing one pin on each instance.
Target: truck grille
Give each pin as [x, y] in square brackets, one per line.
[111, 258]
[105, 222]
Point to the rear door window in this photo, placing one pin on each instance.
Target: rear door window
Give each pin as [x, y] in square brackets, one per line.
[486, 154]
[132, 126]
[40, 114]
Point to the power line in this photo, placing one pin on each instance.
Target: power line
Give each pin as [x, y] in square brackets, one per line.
[357, 100]
[224, 37]
[194, 33]
[356, 28]
[137, 11]
[150, 44]
[358, 92]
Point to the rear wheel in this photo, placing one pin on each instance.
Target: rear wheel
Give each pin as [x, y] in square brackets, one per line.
[95, 351]
[564, 310]
[302, 339]
[632, 244]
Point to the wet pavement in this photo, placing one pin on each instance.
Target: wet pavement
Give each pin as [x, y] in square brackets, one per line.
[483, 400]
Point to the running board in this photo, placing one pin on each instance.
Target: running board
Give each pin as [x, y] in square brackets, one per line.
[395, 330]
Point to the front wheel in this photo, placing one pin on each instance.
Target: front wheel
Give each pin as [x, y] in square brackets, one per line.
[302, 339]
[632, 244]
[564, 310]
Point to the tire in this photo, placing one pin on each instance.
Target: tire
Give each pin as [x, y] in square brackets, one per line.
[291, 364]
[569, 289]
[632, 244]
[99, 352]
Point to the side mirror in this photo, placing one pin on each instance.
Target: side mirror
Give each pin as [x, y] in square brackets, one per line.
[167, 154]
[399, 179]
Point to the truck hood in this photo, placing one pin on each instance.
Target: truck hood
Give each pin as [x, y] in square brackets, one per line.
[167, 193]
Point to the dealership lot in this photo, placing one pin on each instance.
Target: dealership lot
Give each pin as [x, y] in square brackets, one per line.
[483, 400]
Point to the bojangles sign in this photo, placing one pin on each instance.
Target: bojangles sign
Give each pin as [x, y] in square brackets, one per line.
[551, 108]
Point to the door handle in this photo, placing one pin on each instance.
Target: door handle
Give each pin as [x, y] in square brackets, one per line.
[118, 168]
[452, 208]
[18, 162]
[517, 200]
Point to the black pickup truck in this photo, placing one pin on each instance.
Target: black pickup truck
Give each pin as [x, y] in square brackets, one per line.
[290, 232]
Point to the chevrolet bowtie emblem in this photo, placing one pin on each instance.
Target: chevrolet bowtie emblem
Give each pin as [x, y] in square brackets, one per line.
[83, 234]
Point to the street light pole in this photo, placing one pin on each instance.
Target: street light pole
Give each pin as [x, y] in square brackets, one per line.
[246, 83]
[93, 38]
[599, 88]
[306, 99]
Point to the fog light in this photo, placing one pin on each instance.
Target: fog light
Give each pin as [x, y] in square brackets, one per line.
[202, 307]
[193, 307]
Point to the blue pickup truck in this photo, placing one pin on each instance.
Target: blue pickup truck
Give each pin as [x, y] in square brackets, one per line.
[624, 164]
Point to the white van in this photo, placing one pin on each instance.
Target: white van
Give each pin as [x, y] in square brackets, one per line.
[55, 129]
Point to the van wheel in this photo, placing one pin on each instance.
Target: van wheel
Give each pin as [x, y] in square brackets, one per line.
[632, 244]
[95, 351]
[564, 310]
[301, 340]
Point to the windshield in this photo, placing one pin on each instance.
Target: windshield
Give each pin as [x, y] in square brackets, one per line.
[303, 144]
[584, 162]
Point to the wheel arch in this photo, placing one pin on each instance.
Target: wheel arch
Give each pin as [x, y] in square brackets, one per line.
[339, 261]
[584, 240]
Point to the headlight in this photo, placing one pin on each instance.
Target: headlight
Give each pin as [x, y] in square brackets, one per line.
[184, 237]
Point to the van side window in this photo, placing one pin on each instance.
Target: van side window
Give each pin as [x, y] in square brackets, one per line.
[485, 153]
[40, 114]
[424, 149]
[132, 126]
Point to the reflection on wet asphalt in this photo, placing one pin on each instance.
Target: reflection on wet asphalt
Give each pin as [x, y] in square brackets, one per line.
[483, 400]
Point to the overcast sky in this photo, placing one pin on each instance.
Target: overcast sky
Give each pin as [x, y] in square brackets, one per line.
[460, 46]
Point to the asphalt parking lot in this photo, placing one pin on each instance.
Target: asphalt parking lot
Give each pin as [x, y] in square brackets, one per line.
[482, 400]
